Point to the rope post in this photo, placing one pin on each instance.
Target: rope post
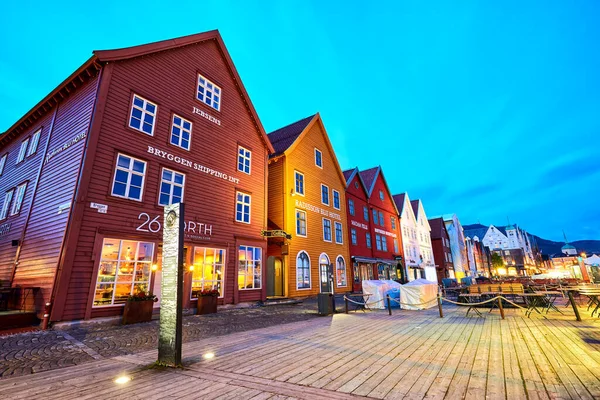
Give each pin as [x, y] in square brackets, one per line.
[346, 303]
[572, 300]
[500, 306]
[440, 306]
[389, 304]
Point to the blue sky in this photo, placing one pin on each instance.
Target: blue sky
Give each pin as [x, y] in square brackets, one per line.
[486, 109]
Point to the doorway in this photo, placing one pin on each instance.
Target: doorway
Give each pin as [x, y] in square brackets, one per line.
[325, 274]
[275, 277]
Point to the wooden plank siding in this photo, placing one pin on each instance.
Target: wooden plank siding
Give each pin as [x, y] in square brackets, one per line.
[169, 79]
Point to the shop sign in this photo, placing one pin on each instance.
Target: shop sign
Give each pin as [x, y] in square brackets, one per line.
[64, 207]
[209, 117]
[191, 230]
[386, 233]
[4, 229]
[65, 146]
[318, 210]
[190, 164]
[102, 208]
[358, 224]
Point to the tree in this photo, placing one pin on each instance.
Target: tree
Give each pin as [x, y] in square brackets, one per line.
[497, 261]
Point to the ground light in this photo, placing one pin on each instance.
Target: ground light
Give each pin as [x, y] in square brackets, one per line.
[122, 380]
[208, 356]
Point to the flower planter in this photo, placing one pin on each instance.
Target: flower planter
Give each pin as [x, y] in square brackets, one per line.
[207, 305]
[137, 311]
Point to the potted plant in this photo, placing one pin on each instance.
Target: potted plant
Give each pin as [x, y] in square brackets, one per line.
[207, 301]
[138, 308]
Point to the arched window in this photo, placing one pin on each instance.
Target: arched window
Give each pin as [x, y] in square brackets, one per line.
[340, 271]
[302, 271]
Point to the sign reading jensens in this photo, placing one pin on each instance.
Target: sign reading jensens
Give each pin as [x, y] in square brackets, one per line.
[319, 210]
[207, 116]
[193, 165]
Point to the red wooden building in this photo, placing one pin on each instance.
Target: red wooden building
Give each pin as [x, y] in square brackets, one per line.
[87, 171]
[442, 254]
[374, 235]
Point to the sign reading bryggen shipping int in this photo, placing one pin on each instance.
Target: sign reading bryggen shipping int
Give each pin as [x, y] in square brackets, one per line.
[319, 210]
[190, 164]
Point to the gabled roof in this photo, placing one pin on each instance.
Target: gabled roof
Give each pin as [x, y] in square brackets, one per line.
[399, 200]
[477, 231]
[101, 57]
[369, 177]
[283, 138]
[349, 174]
[437, 227]
[415, 207]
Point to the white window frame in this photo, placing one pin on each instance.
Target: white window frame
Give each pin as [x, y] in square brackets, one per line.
[182, 129]
[253, 266]
[22, 151]
[129, 171]
[19, 196]
[345, 273]
[322, 192]
[209, 87]
[171, 184]
[145, 112]
[244, 156]
[220, 283]
[3, 163]
[309, 271]
[6, 205]
[335, 225]
[339, 200]
[353, 237]
[317, 151]
[244, 204]
[330, 230]
[33, 145]
[296, 175]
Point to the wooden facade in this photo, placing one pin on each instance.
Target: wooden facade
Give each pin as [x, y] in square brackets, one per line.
[440, 244]
[296, 206]
[78, 213]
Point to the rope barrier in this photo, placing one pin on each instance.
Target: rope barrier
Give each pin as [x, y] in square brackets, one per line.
[362, 304]
[413, 304]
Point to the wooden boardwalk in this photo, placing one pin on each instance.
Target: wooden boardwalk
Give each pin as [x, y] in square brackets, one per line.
[409, 355]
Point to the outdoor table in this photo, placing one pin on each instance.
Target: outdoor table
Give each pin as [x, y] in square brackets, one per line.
[364, 297]
[592, 294]
[533, 301]
[469, 298]
[456, 290]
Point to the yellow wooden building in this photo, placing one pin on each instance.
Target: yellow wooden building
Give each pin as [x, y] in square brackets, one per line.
[307, 202]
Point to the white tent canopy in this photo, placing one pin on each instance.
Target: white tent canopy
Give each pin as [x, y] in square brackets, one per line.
[377, 290]
[418, 294]
[593, 260]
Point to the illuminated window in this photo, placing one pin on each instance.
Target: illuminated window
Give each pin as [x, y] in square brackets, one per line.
[242, 208]
[299, 180]
[208, 270]
[351, 206]
[209, 93]
[3, 163]
[129, 178]
[143, 114]
[325, 194]
[368, 237]
[353, 236]
[6, 205]
[171, 187]
[340, 271]
[124, 271]
[300, 223]
[35, 140]
[326, 230]
[318, 158]
[365, 213]
[302, 271]
[249, 270]
[19, 195]
[336, 199]
[22, 150]
[339, 238]
[181, 132]
[244, 156]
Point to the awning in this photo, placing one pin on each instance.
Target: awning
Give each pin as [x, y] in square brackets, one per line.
[371, 260]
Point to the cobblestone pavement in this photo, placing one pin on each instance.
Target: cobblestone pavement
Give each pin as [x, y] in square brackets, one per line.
[31, 352]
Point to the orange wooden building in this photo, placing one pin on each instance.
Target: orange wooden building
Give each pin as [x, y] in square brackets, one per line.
[307, 202]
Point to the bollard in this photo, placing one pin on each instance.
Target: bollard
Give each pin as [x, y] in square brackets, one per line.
[389, 304]
[46, 319]
[500, 307]
[572, 300]
[346, 303]
[440, 306]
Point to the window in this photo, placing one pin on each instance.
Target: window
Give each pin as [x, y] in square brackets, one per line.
[22, 150]
[353, 235]
[124, 271]
[350, 205]
[381, 221]
[208, 270]
[6, 205]
[19, 195]
[143, 114]
[242, 208]
[129, 178]
[368, 237]
[393, 221]
[396, 248]
[181, 132]
[336, 199]
[35, 140]
[365, 213]
[381, 194]
[375, 218]
[324, 194]
[171, 187]
[299, 178]
[302, 271]
[209, 93]
[326, 230]
[244, 156]
[340, 271]
[378, 242]
[3, 163]
[318, 158]
[384, 243]
[339, 238]
[249, 269]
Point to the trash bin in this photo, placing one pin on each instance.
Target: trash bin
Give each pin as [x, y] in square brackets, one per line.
[325, 303]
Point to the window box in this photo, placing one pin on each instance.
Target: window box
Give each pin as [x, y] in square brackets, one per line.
[137, 311]
[207, 304]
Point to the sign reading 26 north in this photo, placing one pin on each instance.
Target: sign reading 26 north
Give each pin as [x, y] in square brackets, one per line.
[149, 224]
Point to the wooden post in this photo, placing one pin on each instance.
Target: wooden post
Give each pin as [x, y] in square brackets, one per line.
[575, 309]
[500, 307]
[346, 303]
[440, 306]
[389, 304]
